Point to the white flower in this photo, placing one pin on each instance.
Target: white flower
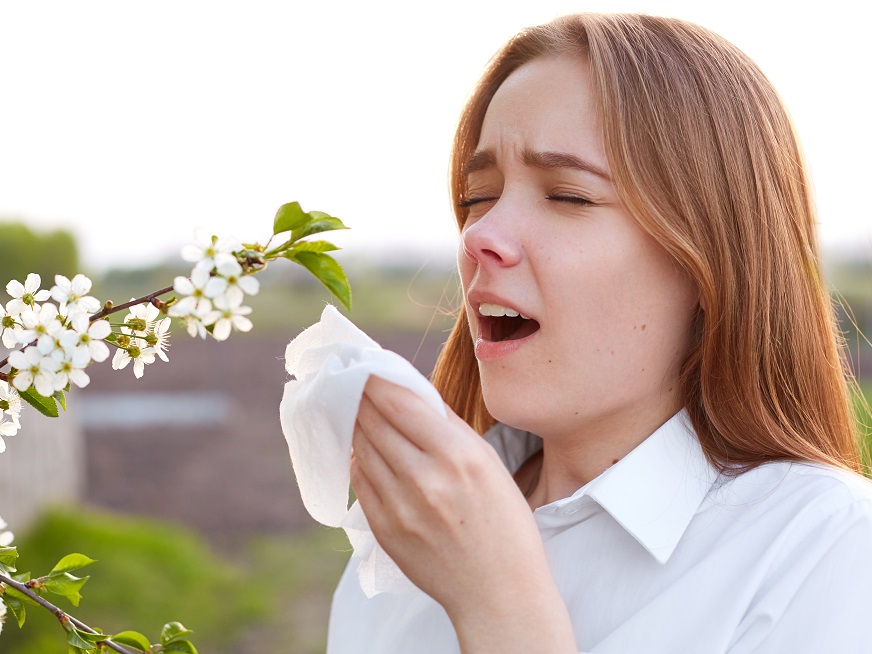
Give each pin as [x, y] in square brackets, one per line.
[25, 295]
[2, 615]
[231, 282]
[75, 293]
[40, 323]
[7, 428]
[85, 339]
[70, 369]
[228, 315]
[10, 403]
[34, 369]
[7, 327]
[6, 537]
[194, 289]
[160, 340]
[140, 357]
[146, 313]
[194, 324]
[210, 251]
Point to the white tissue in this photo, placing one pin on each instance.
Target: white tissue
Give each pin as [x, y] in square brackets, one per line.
[331, 361]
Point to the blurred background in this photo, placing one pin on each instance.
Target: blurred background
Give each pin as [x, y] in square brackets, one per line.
[124, 126]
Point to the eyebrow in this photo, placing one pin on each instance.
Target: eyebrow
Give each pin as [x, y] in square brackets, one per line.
[482, 159]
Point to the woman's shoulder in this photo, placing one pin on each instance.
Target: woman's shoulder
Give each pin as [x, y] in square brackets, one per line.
[796, 491]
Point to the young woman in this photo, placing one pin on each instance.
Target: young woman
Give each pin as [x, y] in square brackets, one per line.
[670, 462]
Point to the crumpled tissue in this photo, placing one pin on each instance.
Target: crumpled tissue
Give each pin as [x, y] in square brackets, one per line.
[331, 362]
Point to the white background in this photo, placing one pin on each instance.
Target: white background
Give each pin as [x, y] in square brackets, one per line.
[134, 122]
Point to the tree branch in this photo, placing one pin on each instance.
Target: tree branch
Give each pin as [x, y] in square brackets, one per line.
[59, 613]
[105, 311]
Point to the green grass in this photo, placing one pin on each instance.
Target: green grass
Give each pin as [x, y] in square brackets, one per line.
[275, 598]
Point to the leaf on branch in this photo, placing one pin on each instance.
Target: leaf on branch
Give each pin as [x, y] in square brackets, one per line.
[179, 647]
[322, 223]
[8, 555]
[66, 585]
[71, 562]
[16, 606]
[61, 399]
[82, 641]
[132, 639]
[21, 597]
[172, 631]
[47, 406]
[312, 246]
[328, 271]
[289, 217]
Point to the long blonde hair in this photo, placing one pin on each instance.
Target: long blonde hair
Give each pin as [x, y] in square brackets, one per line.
[704, 156]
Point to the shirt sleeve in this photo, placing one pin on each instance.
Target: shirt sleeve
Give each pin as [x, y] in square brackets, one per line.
[819, 596]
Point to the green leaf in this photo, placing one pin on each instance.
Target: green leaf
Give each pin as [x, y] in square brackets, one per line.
[324, 223]
[66, 585]
[312, 246]
[71, 562]
[61, 399]
[179, 647]
[45, 405]
[289, 217]
[83, 640]
[132, 639]
[21, 597]
[8, 555]
[328, 271]
[17, 607]
[173, 630]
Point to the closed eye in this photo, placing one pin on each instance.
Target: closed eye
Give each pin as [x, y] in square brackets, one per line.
[569, 198]
[469, 202]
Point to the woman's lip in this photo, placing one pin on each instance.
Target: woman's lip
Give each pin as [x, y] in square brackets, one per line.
[486, 350]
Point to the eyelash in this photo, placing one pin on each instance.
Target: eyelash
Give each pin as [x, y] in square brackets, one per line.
[469, 202]
[557, 197]
[571, 199]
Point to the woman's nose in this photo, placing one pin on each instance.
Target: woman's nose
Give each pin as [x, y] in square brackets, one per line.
[490, 241]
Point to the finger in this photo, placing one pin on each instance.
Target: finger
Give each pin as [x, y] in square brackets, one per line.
[409, 415]
[367, 494]
[400, 453]
[368, 456]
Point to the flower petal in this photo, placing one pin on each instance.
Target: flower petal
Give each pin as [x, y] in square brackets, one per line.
[81, 285]
[31, 284]
[183, 285]
[15, 289]
[222, 330]
[249, 284]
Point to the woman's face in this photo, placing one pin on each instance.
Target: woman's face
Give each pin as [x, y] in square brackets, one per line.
[608, 311]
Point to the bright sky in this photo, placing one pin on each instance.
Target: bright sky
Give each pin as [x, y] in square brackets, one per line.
[133, 123]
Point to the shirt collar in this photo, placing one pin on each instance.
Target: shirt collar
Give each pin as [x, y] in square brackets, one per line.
[656, 489]
[653, 492]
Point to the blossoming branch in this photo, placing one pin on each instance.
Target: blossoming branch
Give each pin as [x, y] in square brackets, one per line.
[53, 344]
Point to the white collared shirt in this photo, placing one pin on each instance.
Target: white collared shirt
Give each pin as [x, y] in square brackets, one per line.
[660, 554]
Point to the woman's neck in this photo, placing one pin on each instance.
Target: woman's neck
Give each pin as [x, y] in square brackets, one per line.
[565, 464]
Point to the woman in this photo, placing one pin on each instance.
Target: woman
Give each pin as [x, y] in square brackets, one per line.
[645, 319]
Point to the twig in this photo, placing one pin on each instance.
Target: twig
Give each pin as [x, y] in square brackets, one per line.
[59, 613]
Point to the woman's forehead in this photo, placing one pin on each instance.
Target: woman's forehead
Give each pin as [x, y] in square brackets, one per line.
[546, 106]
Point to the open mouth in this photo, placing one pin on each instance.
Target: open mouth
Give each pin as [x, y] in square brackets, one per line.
[505, 327]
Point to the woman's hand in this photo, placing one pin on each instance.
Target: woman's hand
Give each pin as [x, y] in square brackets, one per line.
[444, 507]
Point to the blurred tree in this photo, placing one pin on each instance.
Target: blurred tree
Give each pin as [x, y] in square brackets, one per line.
[24, 251]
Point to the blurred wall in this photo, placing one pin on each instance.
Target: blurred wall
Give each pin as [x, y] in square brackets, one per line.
[44, 464]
